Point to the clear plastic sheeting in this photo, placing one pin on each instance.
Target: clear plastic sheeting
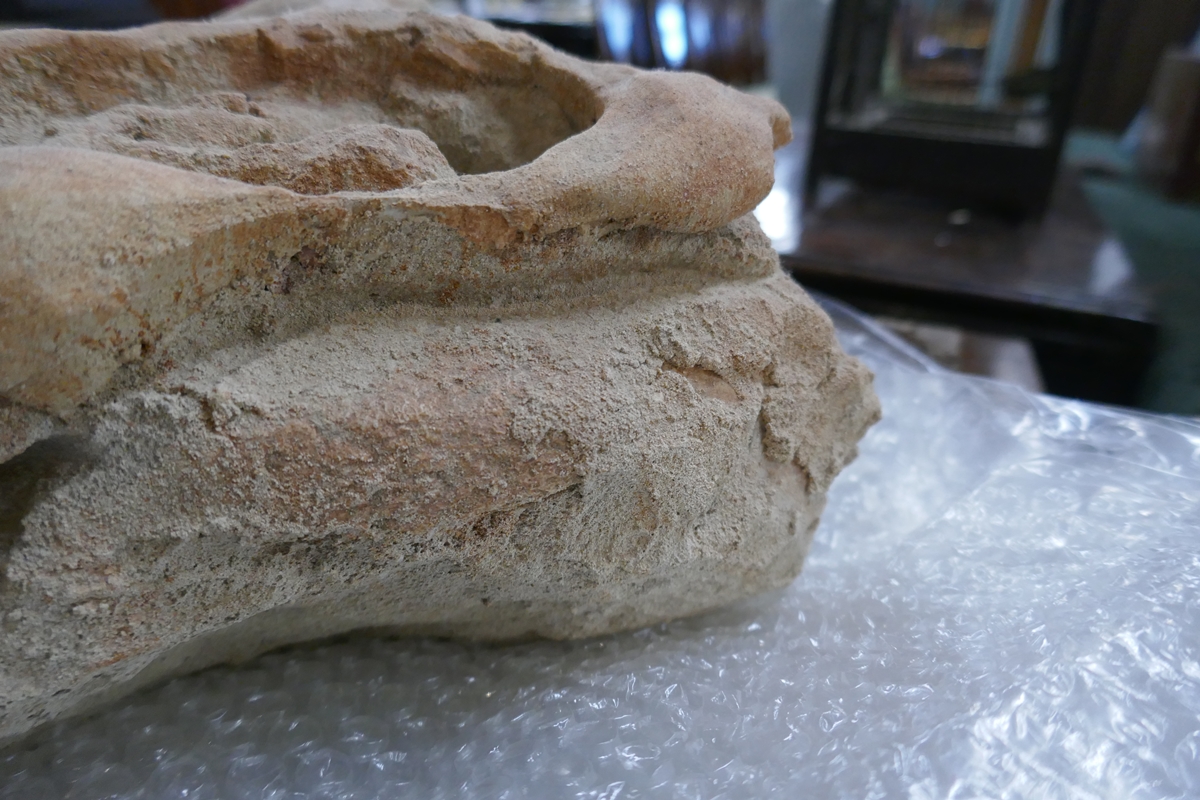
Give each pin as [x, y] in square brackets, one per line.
[1003, 600]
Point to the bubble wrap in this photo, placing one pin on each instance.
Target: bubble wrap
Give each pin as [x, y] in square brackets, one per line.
[1002, 601]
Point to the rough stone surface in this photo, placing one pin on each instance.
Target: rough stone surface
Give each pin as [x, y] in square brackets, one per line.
[386, 320]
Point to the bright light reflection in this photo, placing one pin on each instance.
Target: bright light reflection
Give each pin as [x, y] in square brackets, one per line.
[778, 215]
[1111, 268]
[699, 31]
[931, 47]
[617, 18]
[672, 32]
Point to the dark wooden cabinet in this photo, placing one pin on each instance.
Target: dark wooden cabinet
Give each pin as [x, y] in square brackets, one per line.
[1130, 39]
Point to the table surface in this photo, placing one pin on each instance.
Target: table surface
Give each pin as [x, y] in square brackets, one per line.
[1064, 278]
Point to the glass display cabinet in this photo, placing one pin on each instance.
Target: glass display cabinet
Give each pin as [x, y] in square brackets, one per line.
[964, 99]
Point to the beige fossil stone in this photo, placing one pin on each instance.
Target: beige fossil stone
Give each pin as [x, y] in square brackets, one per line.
[341, 321]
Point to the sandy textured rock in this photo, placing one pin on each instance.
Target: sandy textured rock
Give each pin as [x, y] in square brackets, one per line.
[384, 320]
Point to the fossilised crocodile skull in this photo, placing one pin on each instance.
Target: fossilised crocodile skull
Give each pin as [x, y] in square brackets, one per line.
[385, 321]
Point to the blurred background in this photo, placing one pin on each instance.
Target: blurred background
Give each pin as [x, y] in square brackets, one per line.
[1012, 185]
